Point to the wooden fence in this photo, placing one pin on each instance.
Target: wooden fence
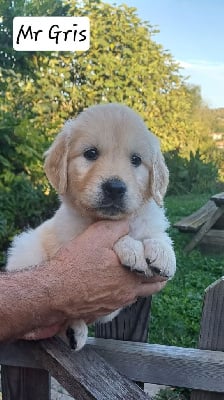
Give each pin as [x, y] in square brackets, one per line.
[108, 370]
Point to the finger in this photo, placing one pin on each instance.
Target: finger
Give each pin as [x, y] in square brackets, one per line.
[43, 333]
[108, 232]
[147, 289]
[154, 279]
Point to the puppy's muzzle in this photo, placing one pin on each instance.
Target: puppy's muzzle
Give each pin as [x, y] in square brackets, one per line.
[113, 191]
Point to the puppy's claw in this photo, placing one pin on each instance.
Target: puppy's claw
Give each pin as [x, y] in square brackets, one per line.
[149, 262]
[138, 271]
[127, 266]
[156, 270]
[70, 333]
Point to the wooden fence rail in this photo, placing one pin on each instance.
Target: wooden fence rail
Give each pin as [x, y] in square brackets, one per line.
[106, 369]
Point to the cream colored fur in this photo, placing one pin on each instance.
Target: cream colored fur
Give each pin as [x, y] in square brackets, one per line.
[117, 132]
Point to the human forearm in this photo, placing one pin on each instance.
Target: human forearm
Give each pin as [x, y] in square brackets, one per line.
[24, 303]
[41, 297]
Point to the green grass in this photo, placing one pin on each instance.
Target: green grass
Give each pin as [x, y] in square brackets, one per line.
[176, 311]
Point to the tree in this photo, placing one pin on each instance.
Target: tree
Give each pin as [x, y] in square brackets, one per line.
[124, 64]
[40, 90]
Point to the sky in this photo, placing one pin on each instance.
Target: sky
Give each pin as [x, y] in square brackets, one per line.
[193, 31]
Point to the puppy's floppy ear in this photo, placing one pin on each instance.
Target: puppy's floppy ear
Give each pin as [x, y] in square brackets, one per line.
[56, 158]
[159, 178]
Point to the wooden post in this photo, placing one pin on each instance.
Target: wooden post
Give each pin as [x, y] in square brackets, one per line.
[25, 383]
[212, 330]
[132, 324]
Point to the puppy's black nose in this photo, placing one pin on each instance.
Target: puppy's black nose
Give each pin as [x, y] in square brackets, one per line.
[114, 188]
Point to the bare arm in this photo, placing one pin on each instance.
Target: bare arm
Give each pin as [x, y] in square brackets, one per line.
[83, 281]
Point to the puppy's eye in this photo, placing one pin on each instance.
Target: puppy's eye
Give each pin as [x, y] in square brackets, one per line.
[91, 154]
[136, 160]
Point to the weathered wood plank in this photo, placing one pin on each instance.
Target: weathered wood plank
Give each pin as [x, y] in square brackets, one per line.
[214, 236]
[85, 375]
[204, 229]
[25, 384]
[168, 365]
[213, 242]
[131, 324]
[212, 330]
[195, 221]
[220, 223]
[218, 199]
[174, 366]
[18, 354]
[17, 380]
[201, 395]
[212, 322]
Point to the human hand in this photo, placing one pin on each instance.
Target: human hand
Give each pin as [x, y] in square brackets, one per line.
[44, 333]
[93, 270]
[86, 280]
[151, 286]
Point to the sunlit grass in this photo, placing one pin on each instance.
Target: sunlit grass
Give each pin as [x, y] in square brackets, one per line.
[176, 311]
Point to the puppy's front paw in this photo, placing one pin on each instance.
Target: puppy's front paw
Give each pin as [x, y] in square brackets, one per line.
[131, 254]
[77, 334]
[160, 258]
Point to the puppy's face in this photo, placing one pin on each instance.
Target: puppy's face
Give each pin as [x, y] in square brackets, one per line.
[106, 163]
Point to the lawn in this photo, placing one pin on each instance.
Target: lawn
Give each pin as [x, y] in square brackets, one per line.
[176, 311]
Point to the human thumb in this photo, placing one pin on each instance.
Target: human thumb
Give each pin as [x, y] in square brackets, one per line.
[107, 233]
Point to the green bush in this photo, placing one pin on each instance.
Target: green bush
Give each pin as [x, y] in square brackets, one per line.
[193, 175]
[23, 205]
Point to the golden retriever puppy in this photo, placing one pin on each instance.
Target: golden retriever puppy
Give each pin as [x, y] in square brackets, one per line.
[105, 164]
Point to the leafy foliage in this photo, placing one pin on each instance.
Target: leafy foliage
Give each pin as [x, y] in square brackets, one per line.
[47, 88]
[22, 206]
[40, 90]
[191, 175]
[217, 117]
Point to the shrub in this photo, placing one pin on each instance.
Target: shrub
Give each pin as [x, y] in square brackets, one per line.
[23, 205]
[192, 175]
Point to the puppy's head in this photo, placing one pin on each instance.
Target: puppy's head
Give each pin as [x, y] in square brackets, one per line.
[106, 163]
